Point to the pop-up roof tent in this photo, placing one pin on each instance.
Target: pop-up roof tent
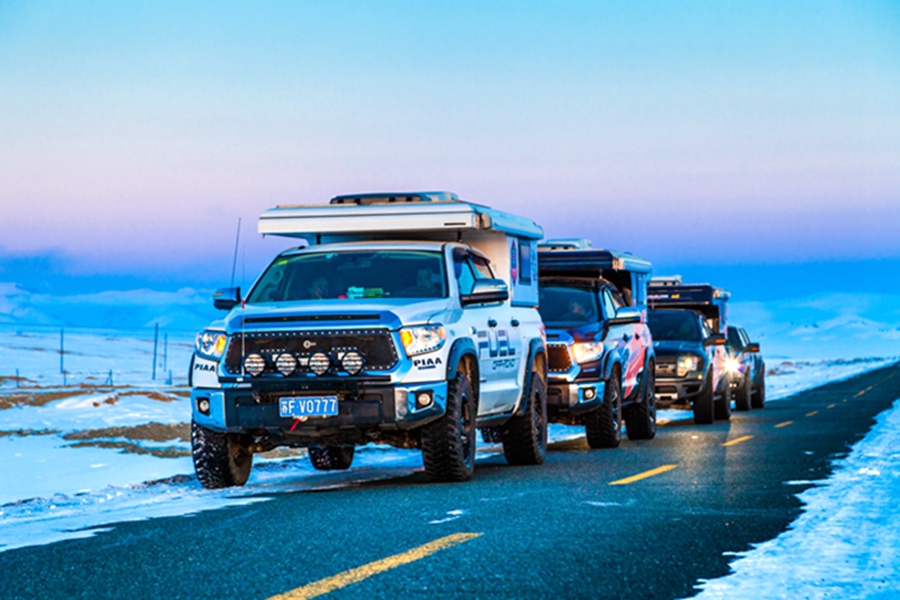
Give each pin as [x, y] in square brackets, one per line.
[711, 301]
[576, 258]
[509, 241]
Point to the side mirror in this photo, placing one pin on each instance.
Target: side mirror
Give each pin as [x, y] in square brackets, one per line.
[716, 339]
[227, 298]
[485, 291]
[626, 315]
[751, 348]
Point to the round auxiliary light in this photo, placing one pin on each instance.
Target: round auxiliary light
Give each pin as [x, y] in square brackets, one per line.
[319, 363]
[423, 399]
[285, 363]
[352, 362]
[254, 364]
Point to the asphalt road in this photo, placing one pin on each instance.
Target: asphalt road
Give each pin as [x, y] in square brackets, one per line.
[559, 530]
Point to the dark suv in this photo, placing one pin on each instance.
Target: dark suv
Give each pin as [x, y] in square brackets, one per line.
[747, 368]
[686, 356]
[688, 323]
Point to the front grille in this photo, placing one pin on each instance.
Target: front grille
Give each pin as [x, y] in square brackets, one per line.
[666, 369]
[558, 355]
[375, 345]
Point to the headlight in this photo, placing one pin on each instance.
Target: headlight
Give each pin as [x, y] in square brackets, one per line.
[422, 339]
[585, 352]
[686, 364]
[733, 366]
[210, 344]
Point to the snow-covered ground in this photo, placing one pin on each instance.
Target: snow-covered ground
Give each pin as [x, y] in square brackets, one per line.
[111, 445]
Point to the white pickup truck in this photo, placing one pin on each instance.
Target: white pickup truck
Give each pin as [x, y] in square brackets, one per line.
[407, 318]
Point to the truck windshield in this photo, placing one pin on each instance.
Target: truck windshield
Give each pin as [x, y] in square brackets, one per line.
[568, 306]
[352, 275]
[674, 326]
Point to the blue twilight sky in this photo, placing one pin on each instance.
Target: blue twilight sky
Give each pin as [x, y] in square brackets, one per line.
[734, 139]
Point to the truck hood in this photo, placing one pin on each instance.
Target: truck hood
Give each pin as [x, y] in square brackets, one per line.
[315, 314]
[671, 347]
[585, 333]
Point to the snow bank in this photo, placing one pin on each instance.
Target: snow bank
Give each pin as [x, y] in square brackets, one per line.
[846, 544]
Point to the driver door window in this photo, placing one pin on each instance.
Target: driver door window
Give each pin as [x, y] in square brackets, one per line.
[609, 305]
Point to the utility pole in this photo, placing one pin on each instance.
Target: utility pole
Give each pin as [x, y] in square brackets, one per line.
[155, 344]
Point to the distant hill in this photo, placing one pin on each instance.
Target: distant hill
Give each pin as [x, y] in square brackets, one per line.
[814, 326]
[186, 309]
[823, 325]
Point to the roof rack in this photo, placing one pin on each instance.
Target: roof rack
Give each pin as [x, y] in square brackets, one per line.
[588, 262]
[394, 198]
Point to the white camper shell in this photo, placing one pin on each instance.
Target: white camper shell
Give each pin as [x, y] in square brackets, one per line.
[507, 240]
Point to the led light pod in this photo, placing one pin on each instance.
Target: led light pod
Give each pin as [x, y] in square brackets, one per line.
[254, 364]
[286, 363]
[352, 362]
[319, 363]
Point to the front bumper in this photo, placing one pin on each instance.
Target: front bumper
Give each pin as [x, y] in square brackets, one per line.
[364, 407]
[679, 390]
[567, 398]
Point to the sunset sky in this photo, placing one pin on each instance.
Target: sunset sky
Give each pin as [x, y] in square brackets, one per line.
[699, 135]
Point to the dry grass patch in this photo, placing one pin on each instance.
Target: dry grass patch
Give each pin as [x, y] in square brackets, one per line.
[133, 448]
[155, 432]
[37, 398]
[28, 432]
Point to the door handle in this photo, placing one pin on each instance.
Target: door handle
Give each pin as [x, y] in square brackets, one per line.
[492, 323]
[514, 322]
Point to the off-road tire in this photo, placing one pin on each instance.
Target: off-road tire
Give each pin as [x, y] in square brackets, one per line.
[331, 458]
[491, 435]
[723, 404]
[525, 436]
[603, 426]
[448, 444]
[640, 417]
[758, 398]
[743, 396]
[703, 404]
[220, 459]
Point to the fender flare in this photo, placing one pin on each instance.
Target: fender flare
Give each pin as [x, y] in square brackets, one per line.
[535, 347]
[612, 359]
[460, 348]
[649, 355]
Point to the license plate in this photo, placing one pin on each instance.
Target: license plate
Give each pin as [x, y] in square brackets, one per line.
[309, 406]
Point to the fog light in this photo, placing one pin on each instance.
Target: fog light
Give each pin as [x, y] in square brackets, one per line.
[352, 362]
[589, 393]
[285, 363]
[254, 364]
[203, 406]
[319, 363]
[423, 399]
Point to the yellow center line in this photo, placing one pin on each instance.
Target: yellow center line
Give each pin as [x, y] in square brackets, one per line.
[329, 584]
[812, 414]
[737, 441]
[644, 475]
[785, 424]
[860, 393]
[844, 400]
[830, 406]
